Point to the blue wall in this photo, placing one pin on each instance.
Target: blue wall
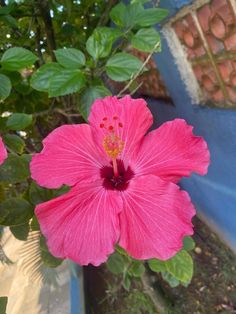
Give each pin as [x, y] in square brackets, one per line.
[214, 194]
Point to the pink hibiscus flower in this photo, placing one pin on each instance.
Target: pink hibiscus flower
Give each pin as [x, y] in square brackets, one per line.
[123, 183]
[3, 151]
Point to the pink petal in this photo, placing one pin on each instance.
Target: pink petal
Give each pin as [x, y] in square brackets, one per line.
[172, 151]
[155, 219]
[3, 152]
[134, 115]
[82, 224]
[69, 156]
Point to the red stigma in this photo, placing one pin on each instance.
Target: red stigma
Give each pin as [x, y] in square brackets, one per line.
[102, 125]
[115, 118]
[120, 125]
[104, 119]
[111, 128]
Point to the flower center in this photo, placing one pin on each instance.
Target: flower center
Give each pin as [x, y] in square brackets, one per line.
[112, 143]
[113, 182]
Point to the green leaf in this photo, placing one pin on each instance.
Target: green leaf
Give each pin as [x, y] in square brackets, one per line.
[23, 88]
[20, 232]
[14, 142]
[3, 305]
[41, 78]
[2, 193]
[9, 20]
[70, 58]
[89, 96]
[14, 76]
[34, 225]
[121, 251]
[146, 39]
[122, 66]
[126, 282]
[99, 44]
[66, 82]
[188, 243]
[15, 169]
[43, 244]
[4, 260]
[139, 1]
[150, 17]
[19, 121]
[3, 123]
[136, 269]
[58, 192]
[48, 259]
[124, 15]
[38, 194]
[180, 266]
[6, 10]
[17, 58]
[118, 14]
[156, 265]
[172, 281]
[116, 263]
[5, 86]
[15, 211]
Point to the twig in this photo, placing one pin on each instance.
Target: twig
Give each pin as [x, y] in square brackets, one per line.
[51, 111]
[67, 114]
[105, 16]
[44, 9]
[135, 90]
[159, 302]
[139, 71]
[37, 39]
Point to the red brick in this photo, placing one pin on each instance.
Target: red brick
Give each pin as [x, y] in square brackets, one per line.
[209, 71]
[198, 72]
[190, 54]
[207, 83]
[230, 42]
[214, 44]
[188, 19]
[179, 29]
[233, 79]
[218, 27]
[218, 96]
[192, 28]
[225, 69]
[227, 14]
[199, 51]
[188, 39]
[204, 14]
[217, 4]
[232, 94]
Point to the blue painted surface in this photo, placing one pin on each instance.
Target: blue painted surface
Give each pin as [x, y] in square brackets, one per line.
[76, 294]
[180, 3]
[214, 194]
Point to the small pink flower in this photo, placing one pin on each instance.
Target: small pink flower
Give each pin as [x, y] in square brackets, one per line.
[123, 183]
[3, 151]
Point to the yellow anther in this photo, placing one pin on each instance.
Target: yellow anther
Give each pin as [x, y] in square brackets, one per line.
[113, 145]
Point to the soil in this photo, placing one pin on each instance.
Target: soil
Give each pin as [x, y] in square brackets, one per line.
[212, 290]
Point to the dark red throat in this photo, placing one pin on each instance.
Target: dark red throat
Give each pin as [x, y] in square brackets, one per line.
[120, 182]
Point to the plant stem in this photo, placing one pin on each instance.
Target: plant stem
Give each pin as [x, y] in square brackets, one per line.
[44, 9]
[158, 300]
[139, 71]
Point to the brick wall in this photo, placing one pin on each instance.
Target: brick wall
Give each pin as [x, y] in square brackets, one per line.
[208, 35]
